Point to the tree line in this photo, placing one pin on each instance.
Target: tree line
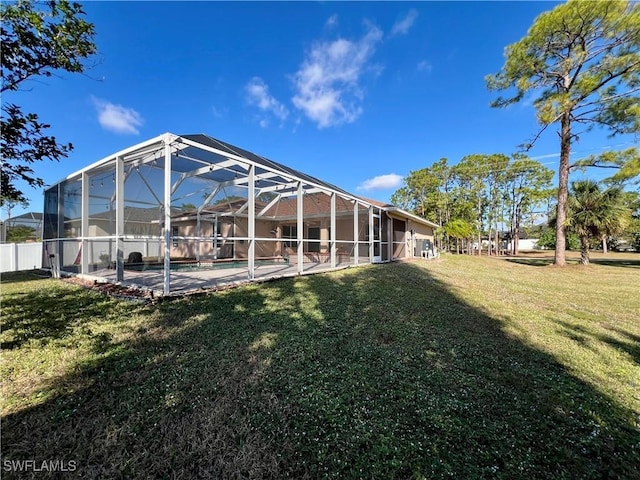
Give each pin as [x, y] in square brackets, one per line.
[482, 197]
[489, 200]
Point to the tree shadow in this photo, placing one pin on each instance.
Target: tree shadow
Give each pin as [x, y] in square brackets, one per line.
[23, 276]
[376, 372]
[543, 262]
[630, 343]
[48, 314]
[617, 262]
[532, 262]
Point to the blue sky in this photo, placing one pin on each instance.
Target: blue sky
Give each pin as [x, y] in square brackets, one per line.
[357, 94]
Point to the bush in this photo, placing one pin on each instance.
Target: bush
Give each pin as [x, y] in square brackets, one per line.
[548, 240]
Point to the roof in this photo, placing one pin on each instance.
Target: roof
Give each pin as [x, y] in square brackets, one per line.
[31, 216]
[376, 203]
[131, 214]
[258, 159]
[395, 211]
[212, 143]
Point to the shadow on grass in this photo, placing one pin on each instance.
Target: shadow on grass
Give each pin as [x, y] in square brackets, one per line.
[23, 276]
[543, 262]
[617, 262]
[48, 314]
[376, 372]
[630, 344]
[532, 262]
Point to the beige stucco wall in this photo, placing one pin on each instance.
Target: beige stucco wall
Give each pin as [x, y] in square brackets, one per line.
[403, 242]
[262, 230]
[421, 232]
[188, 248]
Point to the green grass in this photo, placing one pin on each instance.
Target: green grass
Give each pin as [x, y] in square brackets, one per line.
[460, 368]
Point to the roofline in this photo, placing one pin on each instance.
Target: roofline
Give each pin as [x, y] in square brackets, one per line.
[413, 217]
[160, 138]
[294, 174]
[376, 203]
[169, 138]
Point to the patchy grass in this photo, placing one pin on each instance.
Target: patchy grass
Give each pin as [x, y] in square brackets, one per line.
[459, 368]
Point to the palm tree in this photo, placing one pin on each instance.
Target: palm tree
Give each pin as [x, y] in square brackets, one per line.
[593, 212]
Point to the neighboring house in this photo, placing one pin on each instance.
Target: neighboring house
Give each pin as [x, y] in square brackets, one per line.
[22, 228]
[526, 244]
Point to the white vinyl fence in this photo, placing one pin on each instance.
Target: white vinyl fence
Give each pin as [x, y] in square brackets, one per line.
[20, 256]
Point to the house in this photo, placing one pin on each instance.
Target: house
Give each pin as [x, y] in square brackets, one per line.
[22, 228]
[192, 200]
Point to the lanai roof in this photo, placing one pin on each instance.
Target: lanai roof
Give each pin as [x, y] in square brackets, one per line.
[258, 159]
[207, 141]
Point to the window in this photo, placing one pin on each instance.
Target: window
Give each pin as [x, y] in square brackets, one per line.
[222, 229]
[313, 234]
[217, 229]
[175, 232]
[290, 232]
[376, 230]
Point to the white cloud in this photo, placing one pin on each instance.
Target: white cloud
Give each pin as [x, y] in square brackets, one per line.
[424, 66]
[401, 27]
[117, 118]
[381, 182]
[327, 86]
[259, 96]
[217, 112]
[332, 21]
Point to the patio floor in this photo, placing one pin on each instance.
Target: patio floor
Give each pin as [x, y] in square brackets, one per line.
[188, 281]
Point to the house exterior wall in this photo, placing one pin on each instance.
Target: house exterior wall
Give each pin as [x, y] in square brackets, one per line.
[406, 234]
[262, 230]
[525, 244]
[420, 232]
[188, 248]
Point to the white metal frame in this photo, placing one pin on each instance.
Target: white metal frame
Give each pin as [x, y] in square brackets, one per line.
[257, 178]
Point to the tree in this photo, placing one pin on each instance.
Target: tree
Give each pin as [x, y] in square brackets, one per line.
[426, 192]
[459, 229]
[593, 213]
[495, 183]
[472, 172]
[625, 162]
[581, 62]
[527, 181]
[21, 233]
[547, 238]
[36, 42]
[631, 234]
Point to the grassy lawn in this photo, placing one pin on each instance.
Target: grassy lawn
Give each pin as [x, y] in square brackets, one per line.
[463, 368]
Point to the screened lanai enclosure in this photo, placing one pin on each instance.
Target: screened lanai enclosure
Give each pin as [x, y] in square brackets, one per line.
[178, 213]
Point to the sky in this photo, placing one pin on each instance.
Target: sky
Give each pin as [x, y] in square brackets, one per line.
[357, 94]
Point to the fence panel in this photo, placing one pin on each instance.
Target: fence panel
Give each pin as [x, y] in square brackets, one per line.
[20, 256]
